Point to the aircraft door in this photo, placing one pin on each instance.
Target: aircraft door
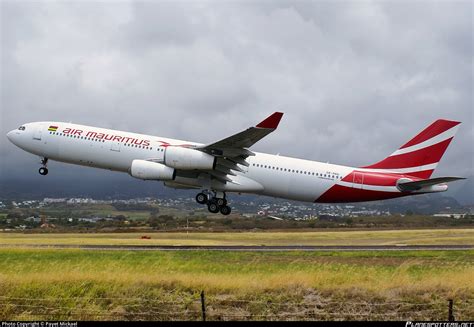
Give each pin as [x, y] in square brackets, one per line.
[358, 181]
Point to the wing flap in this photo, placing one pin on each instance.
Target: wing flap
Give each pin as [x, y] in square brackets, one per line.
[239, 160]
[224, 170]
[220, 176]
[229, 164]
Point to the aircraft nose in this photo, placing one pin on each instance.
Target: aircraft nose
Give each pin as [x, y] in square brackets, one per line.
[11, 135]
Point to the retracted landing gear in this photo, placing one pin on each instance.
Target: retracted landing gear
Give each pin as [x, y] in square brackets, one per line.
[214, 204]
[43, 170]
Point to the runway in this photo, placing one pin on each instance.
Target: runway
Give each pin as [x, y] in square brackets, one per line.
[244, 248]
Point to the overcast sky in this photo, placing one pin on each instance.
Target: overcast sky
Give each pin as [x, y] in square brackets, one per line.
[354, 79]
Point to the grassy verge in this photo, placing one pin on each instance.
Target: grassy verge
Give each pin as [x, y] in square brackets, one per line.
[77, 284]
[384, 237]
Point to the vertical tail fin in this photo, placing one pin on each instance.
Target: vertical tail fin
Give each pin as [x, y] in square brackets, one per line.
[420, 156]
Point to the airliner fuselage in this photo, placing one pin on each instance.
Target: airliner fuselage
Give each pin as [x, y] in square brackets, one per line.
[228, 165]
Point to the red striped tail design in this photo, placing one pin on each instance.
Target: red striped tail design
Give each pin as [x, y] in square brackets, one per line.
[420, 156]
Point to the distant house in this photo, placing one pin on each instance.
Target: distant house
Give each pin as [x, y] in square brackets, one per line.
[329, 217]
[455, 215]
[33, 219]
[54, 200]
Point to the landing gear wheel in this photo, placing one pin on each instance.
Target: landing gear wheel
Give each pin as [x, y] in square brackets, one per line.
[213, 207]
[201, 198]
[221, 202]
[43, 171]
[225, 210]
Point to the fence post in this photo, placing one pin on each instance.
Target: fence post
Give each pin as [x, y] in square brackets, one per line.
[450, 310]
[203, 306]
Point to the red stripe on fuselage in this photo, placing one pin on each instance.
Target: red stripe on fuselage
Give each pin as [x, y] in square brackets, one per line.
[340, 194]
[424, 174]
[369, 178]
[434, 129]
[380, 179]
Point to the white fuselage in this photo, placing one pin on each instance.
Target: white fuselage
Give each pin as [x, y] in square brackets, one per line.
[181, 164]
[271, 175]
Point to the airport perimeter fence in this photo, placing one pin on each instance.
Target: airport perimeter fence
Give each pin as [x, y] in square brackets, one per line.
[200, 307]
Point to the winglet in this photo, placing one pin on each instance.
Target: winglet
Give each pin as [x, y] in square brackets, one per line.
[271, 121]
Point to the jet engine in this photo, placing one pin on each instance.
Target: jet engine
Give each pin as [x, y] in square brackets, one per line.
[144, 169]
[188, 159]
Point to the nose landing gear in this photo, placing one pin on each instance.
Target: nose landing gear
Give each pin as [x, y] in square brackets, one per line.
[43, 170]
[214, 204]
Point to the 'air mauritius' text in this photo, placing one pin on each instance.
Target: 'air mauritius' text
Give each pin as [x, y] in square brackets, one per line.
[108, 137]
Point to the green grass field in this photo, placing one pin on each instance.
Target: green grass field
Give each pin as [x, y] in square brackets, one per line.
[367, 237]
[78, 284]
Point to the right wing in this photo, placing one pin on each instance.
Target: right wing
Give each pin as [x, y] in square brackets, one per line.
[233, 150]
[237, 144]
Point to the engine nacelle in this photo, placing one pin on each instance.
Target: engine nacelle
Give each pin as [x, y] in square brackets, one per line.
[144, 169]
[188, 159]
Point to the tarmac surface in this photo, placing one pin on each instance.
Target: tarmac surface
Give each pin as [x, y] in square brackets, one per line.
[250, 248]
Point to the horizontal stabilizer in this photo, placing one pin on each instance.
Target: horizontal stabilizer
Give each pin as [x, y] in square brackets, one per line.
[418, 185]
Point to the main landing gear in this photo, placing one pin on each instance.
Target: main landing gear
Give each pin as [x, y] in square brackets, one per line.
[43, 170]
[214, 204]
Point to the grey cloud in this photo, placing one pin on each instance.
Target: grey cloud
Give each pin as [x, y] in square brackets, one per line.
[355, 79]
[159, 24]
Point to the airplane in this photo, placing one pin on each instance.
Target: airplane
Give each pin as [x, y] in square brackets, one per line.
[228, 165]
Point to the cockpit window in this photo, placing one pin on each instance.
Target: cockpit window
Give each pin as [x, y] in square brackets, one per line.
[21, 128]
